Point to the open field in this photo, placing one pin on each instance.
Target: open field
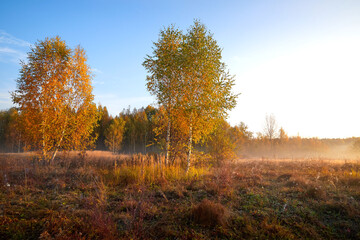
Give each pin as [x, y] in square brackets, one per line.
[107, 196]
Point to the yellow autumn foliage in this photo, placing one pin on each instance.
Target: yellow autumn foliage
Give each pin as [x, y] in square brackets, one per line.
[55, 100]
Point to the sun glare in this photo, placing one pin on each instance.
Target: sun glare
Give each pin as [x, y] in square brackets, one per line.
[316, 81]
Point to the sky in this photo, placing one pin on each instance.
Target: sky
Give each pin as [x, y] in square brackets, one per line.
[297, 60]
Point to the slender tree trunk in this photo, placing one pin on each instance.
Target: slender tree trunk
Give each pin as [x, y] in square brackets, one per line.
[56, 149]
[134, 145]
[189, 148]
[167, 142]
[145, 139]
[44, 153]
[59, 144]
[53, 156]
[19, 143]
[113, 144]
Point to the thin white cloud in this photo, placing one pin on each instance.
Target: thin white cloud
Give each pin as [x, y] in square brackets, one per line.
[98, 82]
[4, 95]
[235, 58]
[116, 99]
[12, 49]
[8, 54]
[95, 70]
[5, 101]
[7, 50]
[6, 38]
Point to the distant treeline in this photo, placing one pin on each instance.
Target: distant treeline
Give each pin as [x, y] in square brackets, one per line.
[143, 130]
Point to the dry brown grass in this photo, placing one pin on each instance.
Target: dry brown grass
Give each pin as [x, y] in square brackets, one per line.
[136, 197]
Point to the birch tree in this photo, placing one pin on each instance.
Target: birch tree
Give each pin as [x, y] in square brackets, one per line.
[190, 80]
[206, 85]
[164, 71]
[114, 134]
[270, 127]
[54, 97]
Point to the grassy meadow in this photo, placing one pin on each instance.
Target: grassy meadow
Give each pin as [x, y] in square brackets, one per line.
[105, 196]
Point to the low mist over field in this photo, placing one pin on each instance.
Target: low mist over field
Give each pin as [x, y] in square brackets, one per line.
[179, 120]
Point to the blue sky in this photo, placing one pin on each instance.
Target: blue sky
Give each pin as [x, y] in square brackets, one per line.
[298, 60]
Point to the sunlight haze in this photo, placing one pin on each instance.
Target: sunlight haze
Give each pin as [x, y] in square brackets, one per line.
[297, 60]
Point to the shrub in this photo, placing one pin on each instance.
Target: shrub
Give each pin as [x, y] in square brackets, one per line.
[209, 213]
[315, 193]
